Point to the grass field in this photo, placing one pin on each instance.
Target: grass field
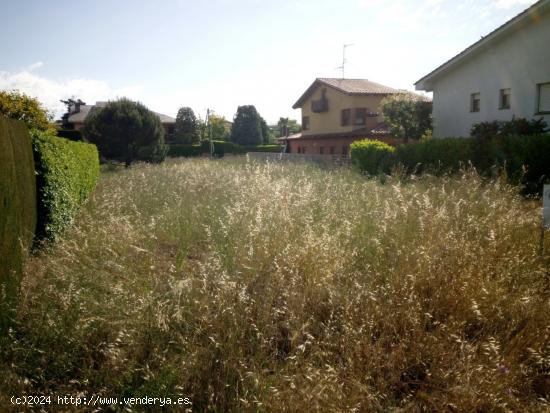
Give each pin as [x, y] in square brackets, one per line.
[288, 288]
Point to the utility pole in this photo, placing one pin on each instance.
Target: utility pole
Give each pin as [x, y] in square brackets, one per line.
[344, 61]
[209, 132]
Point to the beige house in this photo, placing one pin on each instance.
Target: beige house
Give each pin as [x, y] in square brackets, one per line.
[336, 112]
[79, 111]
[506, 74]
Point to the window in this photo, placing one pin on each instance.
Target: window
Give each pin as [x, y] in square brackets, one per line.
[321, 150]
[543, 104]
[475, 102]
[360, 116]
[305, 123]
[504, 100]
[346, 117]
[303, 149]
[331, 150]
[299, 149]
[345, 150]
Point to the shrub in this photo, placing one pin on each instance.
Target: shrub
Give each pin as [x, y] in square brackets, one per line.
[175, 150]
[263, 148]
[18, 106]
[70, 134]
[66, 175]
[525, 158]
[126, 131]
[17, 210]
[516, 126]
[372, 156]
[220, 149]
[437, 155]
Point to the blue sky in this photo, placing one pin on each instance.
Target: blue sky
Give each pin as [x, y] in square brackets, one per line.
[220, 54]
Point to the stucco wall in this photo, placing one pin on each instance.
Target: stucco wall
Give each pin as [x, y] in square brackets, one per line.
[519, 60]
[330, 122]
[314, 145]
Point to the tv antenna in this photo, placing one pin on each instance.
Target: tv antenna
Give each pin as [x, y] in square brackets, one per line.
[344, 61]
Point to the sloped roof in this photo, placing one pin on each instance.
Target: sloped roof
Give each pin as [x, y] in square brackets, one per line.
[381, 129]
[531, 12]
[85, 110]
[348, 86]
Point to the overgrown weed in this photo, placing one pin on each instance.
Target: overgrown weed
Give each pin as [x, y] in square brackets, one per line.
[250, 287]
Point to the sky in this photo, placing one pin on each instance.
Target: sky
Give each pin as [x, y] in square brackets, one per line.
[220, 54]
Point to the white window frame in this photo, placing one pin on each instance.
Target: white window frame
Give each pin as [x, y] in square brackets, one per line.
[539, 87]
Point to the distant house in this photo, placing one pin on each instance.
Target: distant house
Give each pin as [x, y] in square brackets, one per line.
[336, 112]
[505, 74]
[79, 111]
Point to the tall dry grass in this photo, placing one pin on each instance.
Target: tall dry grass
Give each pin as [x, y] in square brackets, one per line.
[287, 288]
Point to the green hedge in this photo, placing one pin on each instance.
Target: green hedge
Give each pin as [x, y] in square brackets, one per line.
[372, 156]
[526, 159]
[70, 134]
[220, 149]
[437, 155]
[175, 150]
[17, 210]
[67, 172]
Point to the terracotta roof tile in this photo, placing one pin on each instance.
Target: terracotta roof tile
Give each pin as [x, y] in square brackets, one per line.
[349, 86]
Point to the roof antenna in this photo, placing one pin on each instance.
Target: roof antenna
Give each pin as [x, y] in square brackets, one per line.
[344, 61]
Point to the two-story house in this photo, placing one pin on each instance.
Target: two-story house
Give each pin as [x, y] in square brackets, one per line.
[505, 74]
[336, 112]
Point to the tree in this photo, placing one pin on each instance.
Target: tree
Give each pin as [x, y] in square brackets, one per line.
[247, 126]
[220, 128]
[266, 132]
[126, 131]
[407, 115]
[17, 105]
[186, 129]
[71, 105]
[288, 126]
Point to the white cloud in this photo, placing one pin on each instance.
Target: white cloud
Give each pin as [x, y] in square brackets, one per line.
[35, 65]
[50, 92]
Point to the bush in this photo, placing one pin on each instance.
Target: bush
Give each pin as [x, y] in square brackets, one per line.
[175, 150]
[220, 149]
[436, 155]
[516, 126]
[525, 158]
[372, 156]
[66, 175]
[17, 210]
[263, 148]
[18, 106]
[126, 131]
[70, 134]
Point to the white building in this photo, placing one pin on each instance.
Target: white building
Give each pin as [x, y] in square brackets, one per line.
[505, 74]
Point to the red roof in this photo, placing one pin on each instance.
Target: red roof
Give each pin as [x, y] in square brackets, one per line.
[348, 86]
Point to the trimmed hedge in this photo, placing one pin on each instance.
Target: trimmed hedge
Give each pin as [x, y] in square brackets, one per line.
[17, 210]
[372, 156]
[220, 149]
[67, 172]
[175, 150]
[70, 134]
[437, 155]
[526, 159]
